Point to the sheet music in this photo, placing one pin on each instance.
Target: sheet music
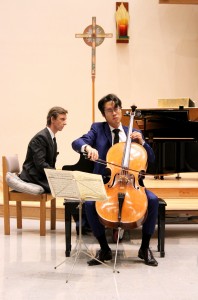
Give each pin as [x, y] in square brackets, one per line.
[76, 185]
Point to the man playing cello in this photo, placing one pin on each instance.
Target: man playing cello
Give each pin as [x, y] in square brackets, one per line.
[96, 144]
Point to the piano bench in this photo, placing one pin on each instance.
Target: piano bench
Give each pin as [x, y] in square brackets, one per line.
[71, 209]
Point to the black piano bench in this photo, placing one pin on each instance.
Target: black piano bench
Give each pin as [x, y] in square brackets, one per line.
[71, 209]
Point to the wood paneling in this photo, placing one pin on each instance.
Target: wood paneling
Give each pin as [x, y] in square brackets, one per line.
[178, 1]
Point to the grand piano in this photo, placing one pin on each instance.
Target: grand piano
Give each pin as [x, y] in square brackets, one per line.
[173, 135]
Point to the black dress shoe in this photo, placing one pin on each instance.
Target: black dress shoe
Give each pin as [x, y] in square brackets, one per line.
[148, 257]
[101, 256]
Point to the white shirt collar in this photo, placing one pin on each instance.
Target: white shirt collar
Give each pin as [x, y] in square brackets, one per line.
[122, 135]
[120, 127]
[51, 133]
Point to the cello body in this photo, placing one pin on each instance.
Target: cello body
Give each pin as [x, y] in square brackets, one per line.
[127, 202]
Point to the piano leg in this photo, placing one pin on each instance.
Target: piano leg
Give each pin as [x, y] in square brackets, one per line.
[178, 176]
[161, 227]
[70, 208]
[161, 177]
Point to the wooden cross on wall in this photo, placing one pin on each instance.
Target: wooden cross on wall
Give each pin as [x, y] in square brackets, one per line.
[93, 36]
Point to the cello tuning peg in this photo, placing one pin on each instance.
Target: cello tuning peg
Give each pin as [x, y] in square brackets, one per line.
[127, 113]
[133, 108]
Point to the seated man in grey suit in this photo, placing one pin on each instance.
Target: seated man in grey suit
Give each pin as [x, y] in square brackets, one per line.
[42, 149]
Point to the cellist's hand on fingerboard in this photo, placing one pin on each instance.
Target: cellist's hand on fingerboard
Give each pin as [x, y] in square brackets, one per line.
[137, 137]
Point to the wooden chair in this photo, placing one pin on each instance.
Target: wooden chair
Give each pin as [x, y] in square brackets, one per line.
[11, 164]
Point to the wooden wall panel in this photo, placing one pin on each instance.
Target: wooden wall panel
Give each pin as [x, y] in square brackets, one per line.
[178, 1]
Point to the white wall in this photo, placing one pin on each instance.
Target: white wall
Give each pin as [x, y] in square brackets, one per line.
[42, 64]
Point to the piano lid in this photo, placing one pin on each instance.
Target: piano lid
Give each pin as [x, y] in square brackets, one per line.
[168, 114]
[168, 122]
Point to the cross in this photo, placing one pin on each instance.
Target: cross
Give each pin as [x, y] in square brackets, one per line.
[93, 36]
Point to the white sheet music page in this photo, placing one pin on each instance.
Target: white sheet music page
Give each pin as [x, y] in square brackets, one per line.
[76, 185]
[91, 186]
[62, 184]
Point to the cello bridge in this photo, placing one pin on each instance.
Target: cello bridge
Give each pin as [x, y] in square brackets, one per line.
[125, 179]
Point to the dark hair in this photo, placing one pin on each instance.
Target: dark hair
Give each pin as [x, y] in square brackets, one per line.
[107, 98]
[54, 112]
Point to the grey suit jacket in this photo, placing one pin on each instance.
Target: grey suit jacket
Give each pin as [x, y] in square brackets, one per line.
[41, 154]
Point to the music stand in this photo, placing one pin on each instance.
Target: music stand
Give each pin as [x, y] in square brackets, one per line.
[81, 187]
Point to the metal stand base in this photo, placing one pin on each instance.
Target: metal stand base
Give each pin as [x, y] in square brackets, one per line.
[87, 252]
[120, 234]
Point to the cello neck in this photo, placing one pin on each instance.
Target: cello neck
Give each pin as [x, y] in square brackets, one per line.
[126, 155]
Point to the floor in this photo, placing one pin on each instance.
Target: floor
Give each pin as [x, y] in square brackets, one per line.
[28, 266]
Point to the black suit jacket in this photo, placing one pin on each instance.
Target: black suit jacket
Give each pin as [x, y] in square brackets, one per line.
[40, 154]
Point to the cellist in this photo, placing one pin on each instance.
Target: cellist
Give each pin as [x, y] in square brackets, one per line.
[96, 143]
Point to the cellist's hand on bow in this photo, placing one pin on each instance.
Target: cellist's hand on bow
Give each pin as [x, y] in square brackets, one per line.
[92, 153]
[137, 137]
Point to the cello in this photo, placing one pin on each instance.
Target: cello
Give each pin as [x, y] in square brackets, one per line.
[126, 204]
